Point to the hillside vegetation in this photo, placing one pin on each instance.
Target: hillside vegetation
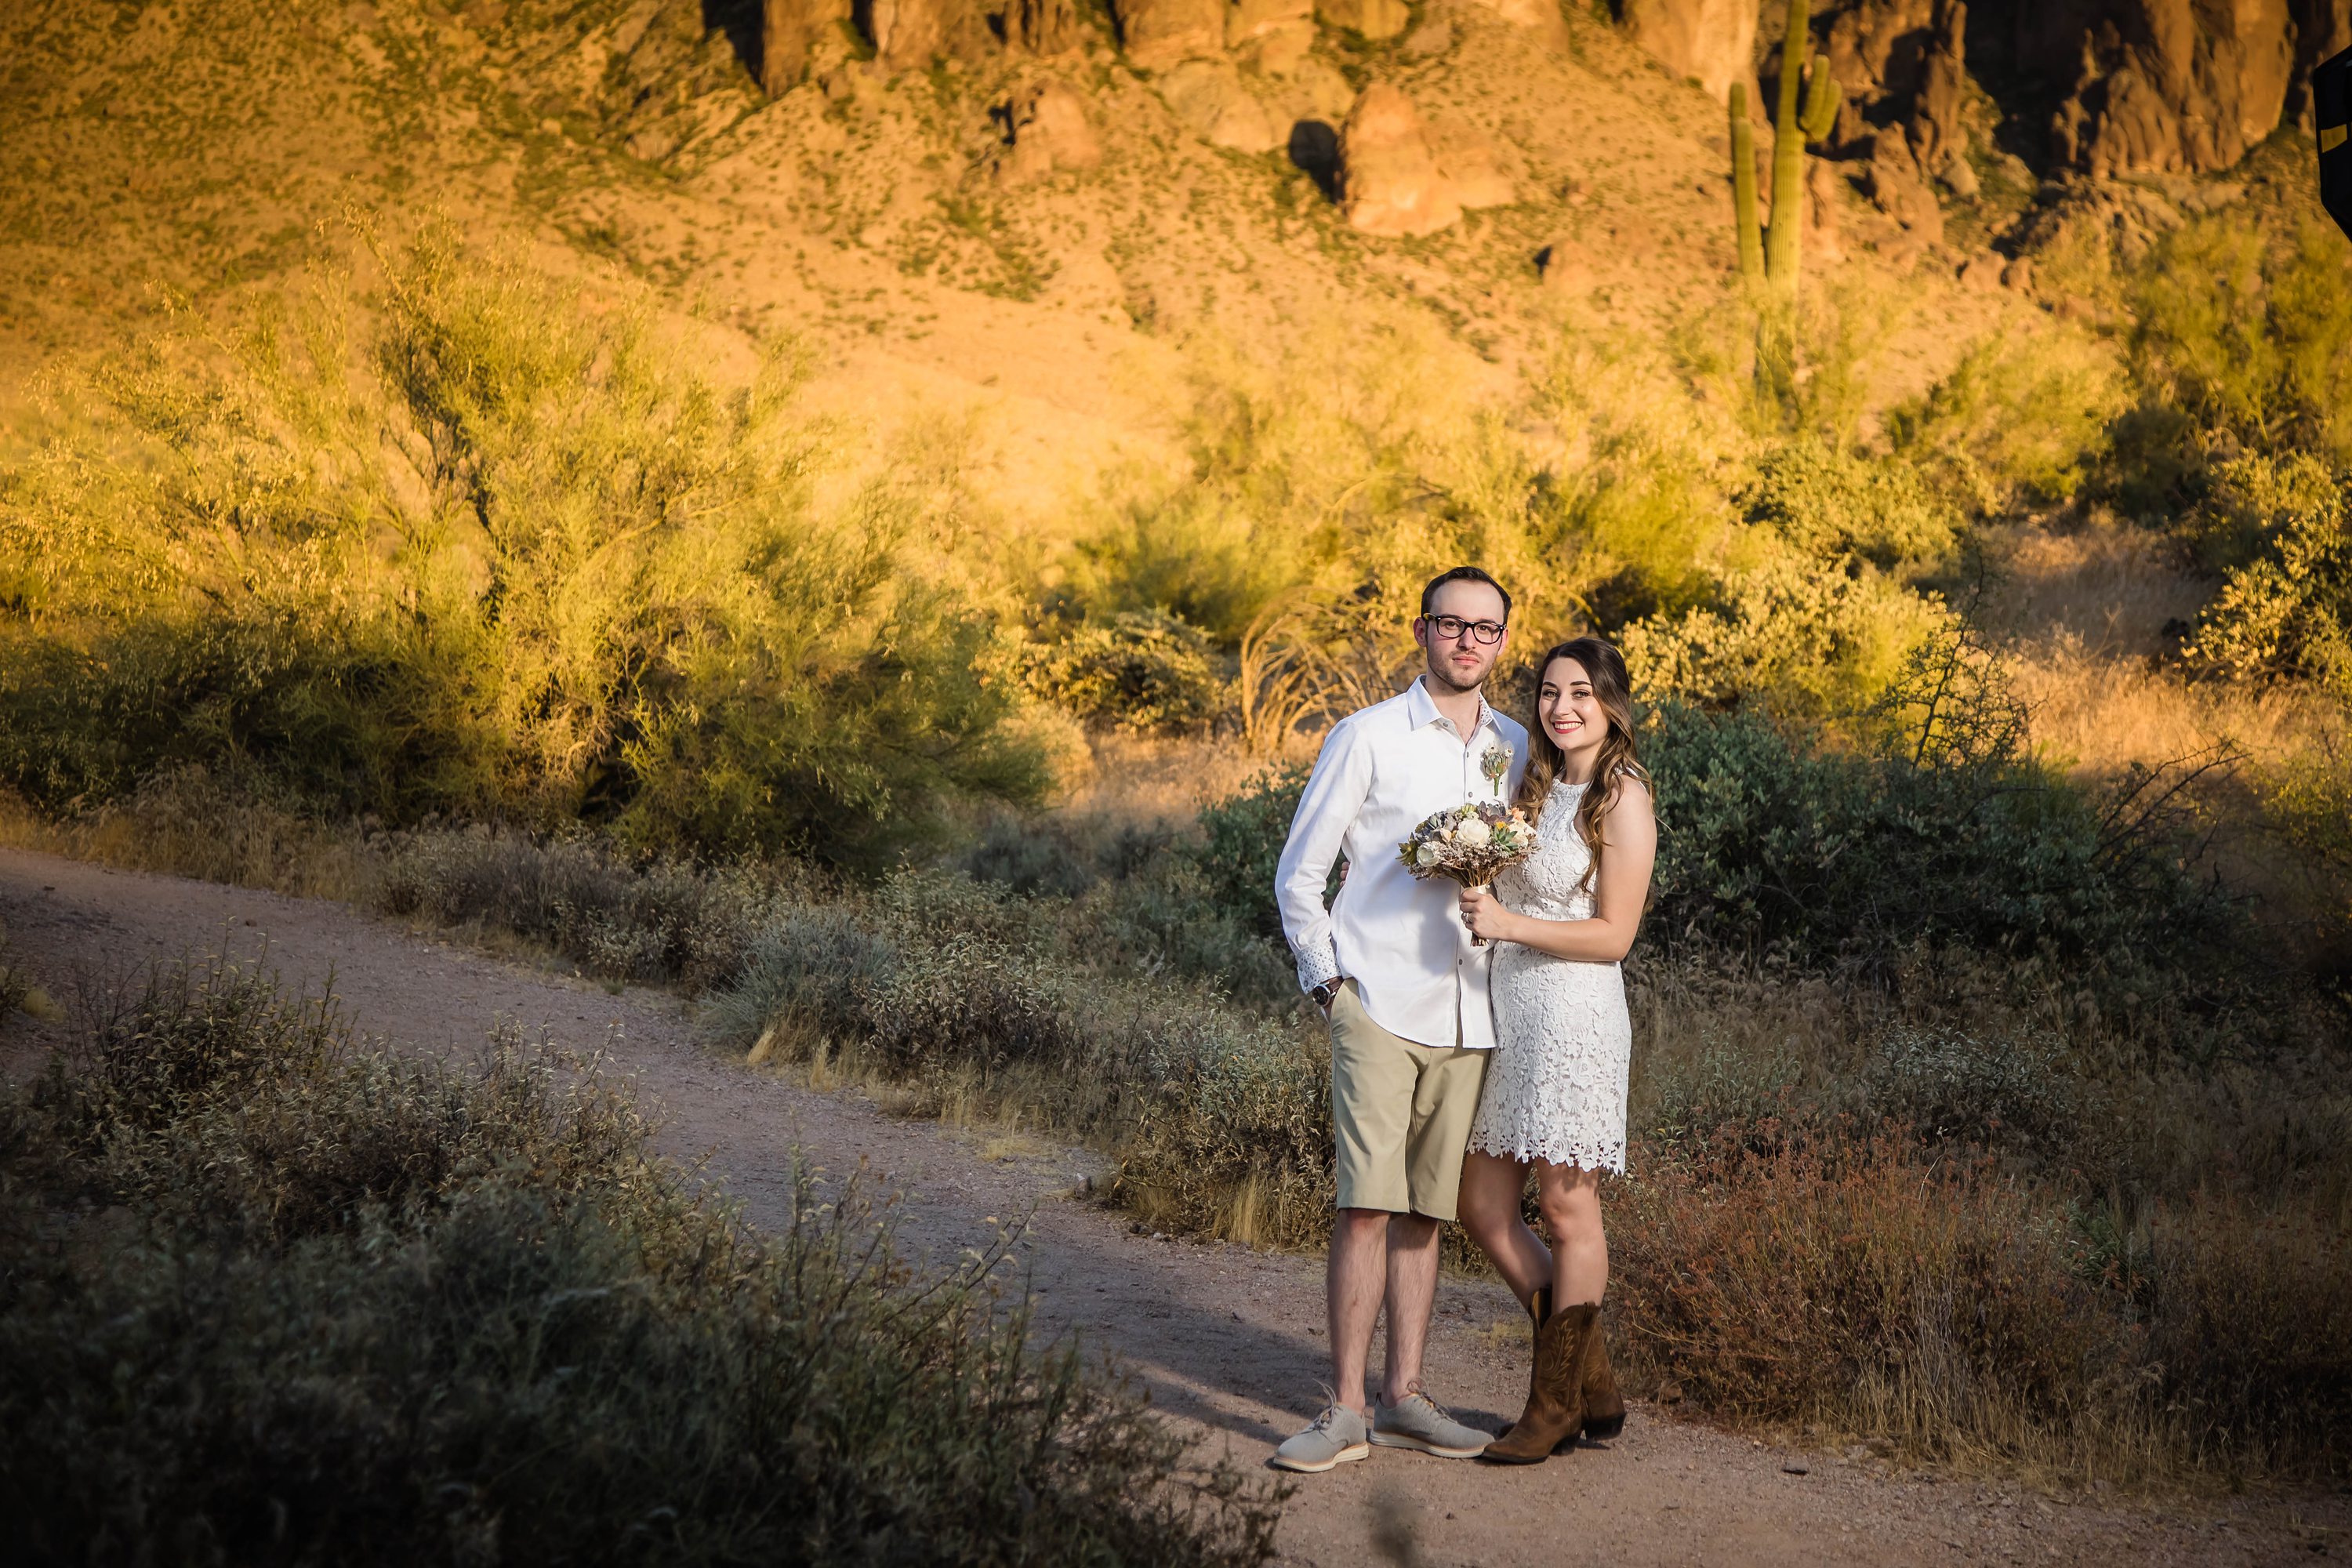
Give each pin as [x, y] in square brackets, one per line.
[554, 489]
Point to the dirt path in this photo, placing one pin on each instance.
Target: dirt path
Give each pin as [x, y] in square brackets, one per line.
[1228, 1340]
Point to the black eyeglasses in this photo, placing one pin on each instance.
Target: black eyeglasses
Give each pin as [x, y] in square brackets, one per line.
[1451, 628]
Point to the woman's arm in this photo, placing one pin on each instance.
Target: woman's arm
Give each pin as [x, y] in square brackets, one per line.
[1631, 833]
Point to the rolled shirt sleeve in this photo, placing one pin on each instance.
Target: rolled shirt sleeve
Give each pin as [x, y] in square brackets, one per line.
[1333, 795]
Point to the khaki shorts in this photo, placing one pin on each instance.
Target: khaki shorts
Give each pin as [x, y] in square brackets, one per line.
[1401, 1114]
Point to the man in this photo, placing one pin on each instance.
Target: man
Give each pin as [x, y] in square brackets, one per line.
[1393, 967]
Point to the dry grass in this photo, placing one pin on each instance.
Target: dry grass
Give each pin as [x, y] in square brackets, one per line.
[1154, 779]
[2094, 613]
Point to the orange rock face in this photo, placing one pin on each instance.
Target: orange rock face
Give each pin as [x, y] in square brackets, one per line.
[1391, 183]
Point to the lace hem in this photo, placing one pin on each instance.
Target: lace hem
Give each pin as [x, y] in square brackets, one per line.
[1584, 1156]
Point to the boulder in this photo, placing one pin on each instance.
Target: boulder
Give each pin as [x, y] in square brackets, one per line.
[1470, 164]
[1390, 182]
[1313, 90]
[1370, 18]
[1711, 41]
[2176, 86]
[1282, 52]
[1209, 96]
[1041, 26]
[1047, 129]
[1157, 34]
[1273, 35]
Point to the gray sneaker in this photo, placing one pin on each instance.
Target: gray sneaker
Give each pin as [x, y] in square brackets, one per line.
[1417, 1421]
[1335, 1437]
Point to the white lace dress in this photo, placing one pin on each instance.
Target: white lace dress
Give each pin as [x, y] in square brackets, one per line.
[1563, 1044]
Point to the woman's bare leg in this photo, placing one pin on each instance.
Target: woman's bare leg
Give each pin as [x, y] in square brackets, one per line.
[1570, 1199]
[1490, 1211]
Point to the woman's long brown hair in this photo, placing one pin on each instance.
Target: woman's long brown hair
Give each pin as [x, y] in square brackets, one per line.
[1605, 668]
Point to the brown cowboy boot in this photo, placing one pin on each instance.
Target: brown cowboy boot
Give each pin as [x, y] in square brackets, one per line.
[1556, 1393]
[1605, 1406]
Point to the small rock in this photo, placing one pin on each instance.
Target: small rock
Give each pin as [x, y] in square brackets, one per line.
[1795, 1467]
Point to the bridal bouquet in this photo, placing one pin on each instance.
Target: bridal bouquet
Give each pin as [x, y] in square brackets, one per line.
[1468, 844]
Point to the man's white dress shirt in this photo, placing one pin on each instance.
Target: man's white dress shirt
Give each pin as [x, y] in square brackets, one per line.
[1382, 771]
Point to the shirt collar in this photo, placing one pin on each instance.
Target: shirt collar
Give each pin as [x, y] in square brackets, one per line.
[1422, 709]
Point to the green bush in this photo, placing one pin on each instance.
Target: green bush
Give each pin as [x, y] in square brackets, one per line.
[1802, 637]
[1147, 671]
[2020, 421]
[1830, 504]
[1242, 839]
[2286, 610]
[521, 1338]
[1770, 843]
[621, 917]
[2249, 337]
[525, 562]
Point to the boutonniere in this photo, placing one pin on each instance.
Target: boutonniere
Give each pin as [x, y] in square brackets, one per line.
[1495, 763]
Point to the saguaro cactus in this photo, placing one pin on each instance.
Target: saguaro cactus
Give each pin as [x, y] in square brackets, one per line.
[1743, 186]
[1807, 111]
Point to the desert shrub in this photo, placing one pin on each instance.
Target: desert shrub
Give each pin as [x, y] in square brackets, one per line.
[543, 1361]
[1848, 1279]
[1147, 671]
[1771, 843]
[1242, 837]
[2248, 1315]
[2249, 337]
[2286, 610]
[215, 1098]
[1956, 1084]
[1029, 857]
[1236, 1139]
[2020, 421]
[975, 1003]
[620, 916]
[526, 561]
[811, 969]
[15, 985]
[1830, 504]
[1334, 459]
[1804, 637]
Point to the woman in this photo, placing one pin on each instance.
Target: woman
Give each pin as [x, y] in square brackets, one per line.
[1555, 1091]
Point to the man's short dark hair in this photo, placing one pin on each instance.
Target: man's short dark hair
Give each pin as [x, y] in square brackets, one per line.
[1465, 575]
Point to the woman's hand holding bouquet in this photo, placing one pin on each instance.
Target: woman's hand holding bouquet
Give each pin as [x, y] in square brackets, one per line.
[1468, 844]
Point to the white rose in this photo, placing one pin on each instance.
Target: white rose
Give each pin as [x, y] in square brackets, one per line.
[1429, 853]
[1474, 832]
